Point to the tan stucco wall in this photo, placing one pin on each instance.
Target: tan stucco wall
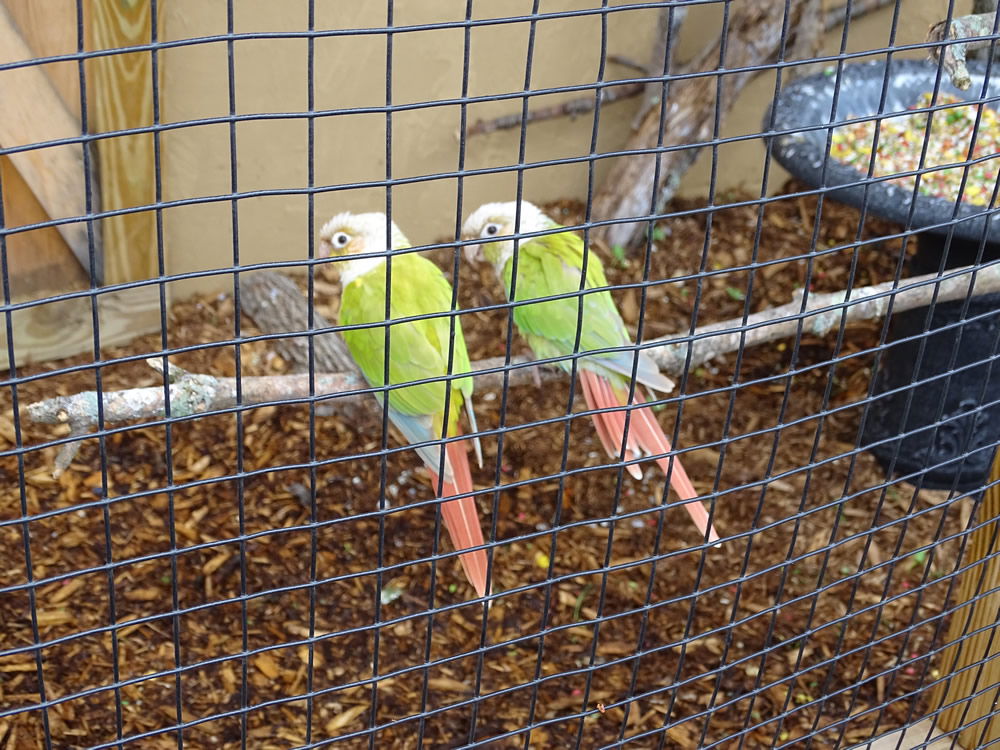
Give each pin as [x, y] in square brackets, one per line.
[271, 77]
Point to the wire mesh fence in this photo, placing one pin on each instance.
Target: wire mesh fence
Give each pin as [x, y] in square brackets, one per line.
[303, 445]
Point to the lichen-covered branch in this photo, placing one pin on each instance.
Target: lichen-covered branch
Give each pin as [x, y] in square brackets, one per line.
[192, 393]
[953, 56]
[822, 314]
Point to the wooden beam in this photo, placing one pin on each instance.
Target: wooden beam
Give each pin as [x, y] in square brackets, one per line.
[63, 329]
[40, 266]
[974, 661]
[39, 263]
[120, 95]
[33, 112]
[50, 29]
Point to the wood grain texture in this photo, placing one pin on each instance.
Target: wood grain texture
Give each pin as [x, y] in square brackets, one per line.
[39, 262]
[974, 661]
[62, 329]
[49, 29]
[34, 112]
[120, 95]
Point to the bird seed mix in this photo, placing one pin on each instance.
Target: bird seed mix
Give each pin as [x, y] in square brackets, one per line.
[899, 148]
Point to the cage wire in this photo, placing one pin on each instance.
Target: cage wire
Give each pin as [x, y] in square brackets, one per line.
[273, 612]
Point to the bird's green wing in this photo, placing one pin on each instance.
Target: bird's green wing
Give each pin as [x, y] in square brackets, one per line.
[418, 349]
[552, 265]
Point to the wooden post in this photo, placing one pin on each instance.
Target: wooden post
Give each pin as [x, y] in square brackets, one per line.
[33, 112]
[979, 654]
[120, 92]
[42, 103]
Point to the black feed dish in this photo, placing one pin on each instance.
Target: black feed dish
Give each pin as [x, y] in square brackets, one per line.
[950, 435]
[807, 103]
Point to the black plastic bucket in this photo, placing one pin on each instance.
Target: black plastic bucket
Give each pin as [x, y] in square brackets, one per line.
[953, 433]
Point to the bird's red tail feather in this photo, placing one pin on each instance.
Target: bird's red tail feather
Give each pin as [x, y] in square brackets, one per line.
[461, 518]
[602, 424]
[646, 434]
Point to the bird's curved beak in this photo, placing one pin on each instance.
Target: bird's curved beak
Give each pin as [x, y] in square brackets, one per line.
[325, 249]
[473, 253]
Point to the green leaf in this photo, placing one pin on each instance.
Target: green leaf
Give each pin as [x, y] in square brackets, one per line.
[736, 294]
[659, 234]
[619, 252]
[919, 559]
[578, 605]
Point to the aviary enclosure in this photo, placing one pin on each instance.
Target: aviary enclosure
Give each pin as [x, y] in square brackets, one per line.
[750, 243]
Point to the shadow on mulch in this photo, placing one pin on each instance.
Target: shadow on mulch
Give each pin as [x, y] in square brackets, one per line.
[804, 622]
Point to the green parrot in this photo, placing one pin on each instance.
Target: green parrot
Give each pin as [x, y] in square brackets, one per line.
[418, 351]
[551, 265]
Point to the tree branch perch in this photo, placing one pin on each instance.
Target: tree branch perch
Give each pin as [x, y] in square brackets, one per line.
[192, 393]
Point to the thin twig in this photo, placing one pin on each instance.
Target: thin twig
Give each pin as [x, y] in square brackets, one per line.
[568, 108]
[628, 62]
[192, 393]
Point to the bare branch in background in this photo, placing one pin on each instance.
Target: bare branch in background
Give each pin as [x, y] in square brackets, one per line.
[191, 393]
[807, 41]
[588, 103]
[568, 108]
[667, 32]
[752, 38]
[954, 55]
[276, 305]
[833, 19]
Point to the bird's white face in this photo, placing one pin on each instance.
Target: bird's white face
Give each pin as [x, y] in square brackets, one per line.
[498, 220]
[348, 234]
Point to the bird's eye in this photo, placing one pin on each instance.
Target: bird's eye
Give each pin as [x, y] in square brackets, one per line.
[491, 229]
[340, 239]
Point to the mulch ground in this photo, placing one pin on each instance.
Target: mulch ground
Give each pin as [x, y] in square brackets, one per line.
[797, 626]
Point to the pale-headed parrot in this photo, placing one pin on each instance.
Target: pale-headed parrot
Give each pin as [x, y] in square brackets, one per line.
[418, 350]
[552, 264]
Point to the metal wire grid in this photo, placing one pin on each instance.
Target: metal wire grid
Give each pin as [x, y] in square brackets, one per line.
[657, 556]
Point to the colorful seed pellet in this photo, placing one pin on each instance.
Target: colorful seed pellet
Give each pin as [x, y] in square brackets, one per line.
[899, 147]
